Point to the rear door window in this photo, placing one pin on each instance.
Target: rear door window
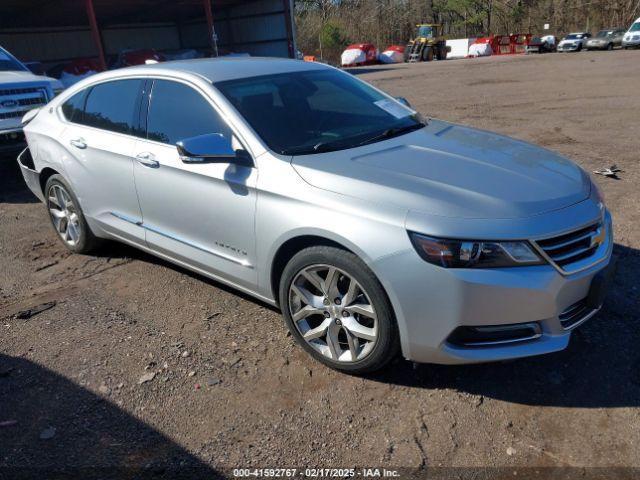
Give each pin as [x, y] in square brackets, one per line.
[73, 108]
[113, 106]
[177, 112]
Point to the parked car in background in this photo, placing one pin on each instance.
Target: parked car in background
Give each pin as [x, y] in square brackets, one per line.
[606, 39]
[20, 91]
[574, 42]
[372, 228]
[631, 39]
[544, 44]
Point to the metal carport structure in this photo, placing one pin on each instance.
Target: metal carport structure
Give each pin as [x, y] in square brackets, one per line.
[57, 31]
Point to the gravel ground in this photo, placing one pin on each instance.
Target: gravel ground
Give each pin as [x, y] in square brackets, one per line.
[140, 364]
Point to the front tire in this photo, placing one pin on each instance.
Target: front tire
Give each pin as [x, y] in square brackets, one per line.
[67, 218]
[337, 310]
[427, 54]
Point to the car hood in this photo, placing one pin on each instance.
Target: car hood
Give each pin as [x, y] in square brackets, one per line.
[26, 77]
[451, 170]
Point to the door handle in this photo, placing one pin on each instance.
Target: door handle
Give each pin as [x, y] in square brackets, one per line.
[147, 159]
[79, 143]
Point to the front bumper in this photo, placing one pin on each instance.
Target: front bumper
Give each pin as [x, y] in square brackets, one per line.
[568, 48]
[631, 43]
[432, 302]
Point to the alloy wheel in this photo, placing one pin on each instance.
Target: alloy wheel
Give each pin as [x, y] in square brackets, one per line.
[333, 313]
[64, 215]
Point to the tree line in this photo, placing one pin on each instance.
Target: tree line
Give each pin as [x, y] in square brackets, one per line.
[325, 27]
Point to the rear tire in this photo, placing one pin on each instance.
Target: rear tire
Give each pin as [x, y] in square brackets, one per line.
[337, 310]
[67, 218]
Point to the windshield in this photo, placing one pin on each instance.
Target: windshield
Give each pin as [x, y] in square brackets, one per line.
[8, 63]
[425, 31]
[635, 27]
[300, 113]
[604, 33]
[573, 36]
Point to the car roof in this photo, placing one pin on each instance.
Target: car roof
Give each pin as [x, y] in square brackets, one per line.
[227, 68]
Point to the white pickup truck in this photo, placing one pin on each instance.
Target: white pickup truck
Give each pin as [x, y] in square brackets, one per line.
[20, 91]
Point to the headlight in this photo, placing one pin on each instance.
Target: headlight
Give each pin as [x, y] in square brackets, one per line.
[597, 192]
[474, 254]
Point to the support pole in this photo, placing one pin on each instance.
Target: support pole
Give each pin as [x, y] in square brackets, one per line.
[213, 43]
[289, 25]
[95, 32]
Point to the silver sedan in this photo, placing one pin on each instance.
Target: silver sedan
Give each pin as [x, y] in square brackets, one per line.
[374, 229]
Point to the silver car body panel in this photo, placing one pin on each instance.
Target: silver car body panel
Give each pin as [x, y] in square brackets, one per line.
[445, 180]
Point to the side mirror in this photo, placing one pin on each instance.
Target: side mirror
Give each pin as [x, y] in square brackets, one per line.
[403, 101]
[212, 148]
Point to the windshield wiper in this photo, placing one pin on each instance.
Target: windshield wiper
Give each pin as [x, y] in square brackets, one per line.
[317, 148]
[393, 132]
[343, 143]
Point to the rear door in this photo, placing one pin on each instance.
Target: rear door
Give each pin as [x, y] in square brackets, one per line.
[199, 214]
[99, 137]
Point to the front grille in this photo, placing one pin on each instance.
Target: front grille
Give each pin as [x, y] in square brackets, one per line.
[575, 315]
[16, 114]
[19, 91]
[573, 247]
[16, 102]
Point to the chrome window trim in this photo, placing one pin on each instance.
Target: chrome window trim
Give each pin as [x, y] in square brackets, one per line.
[152, 77]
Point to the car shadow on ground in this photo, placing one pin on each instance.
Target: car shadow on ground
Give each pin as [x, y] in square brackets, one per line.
[599, 369]
[50, 427]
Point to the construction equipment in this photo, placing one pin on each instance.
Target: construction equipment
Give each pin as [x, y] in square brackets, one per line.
[427, 44]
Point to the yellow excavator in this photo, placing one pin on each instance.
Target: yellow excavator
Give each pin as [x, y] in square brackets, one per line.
[429, 43]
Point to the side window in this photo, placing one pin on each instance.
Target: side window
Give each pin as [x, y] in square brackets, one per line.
[177, 112]
[73, 108]
[113, 106]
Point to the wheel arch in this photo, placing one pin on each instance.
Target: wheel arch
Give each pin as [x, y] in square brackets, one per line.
[45, 174]
[298, 241]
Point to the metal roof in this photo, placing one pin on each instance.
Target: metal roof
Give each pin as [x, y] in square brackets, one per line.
[64, 13]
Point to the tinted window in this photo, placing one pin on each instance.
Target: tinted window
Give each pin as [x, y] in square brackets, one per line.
[113, 106]
[72, 108]
[177, 112]
[307, 112]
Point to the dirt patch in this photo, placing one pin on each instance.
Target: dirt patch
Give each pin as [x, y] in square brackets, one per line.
[228, 387]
